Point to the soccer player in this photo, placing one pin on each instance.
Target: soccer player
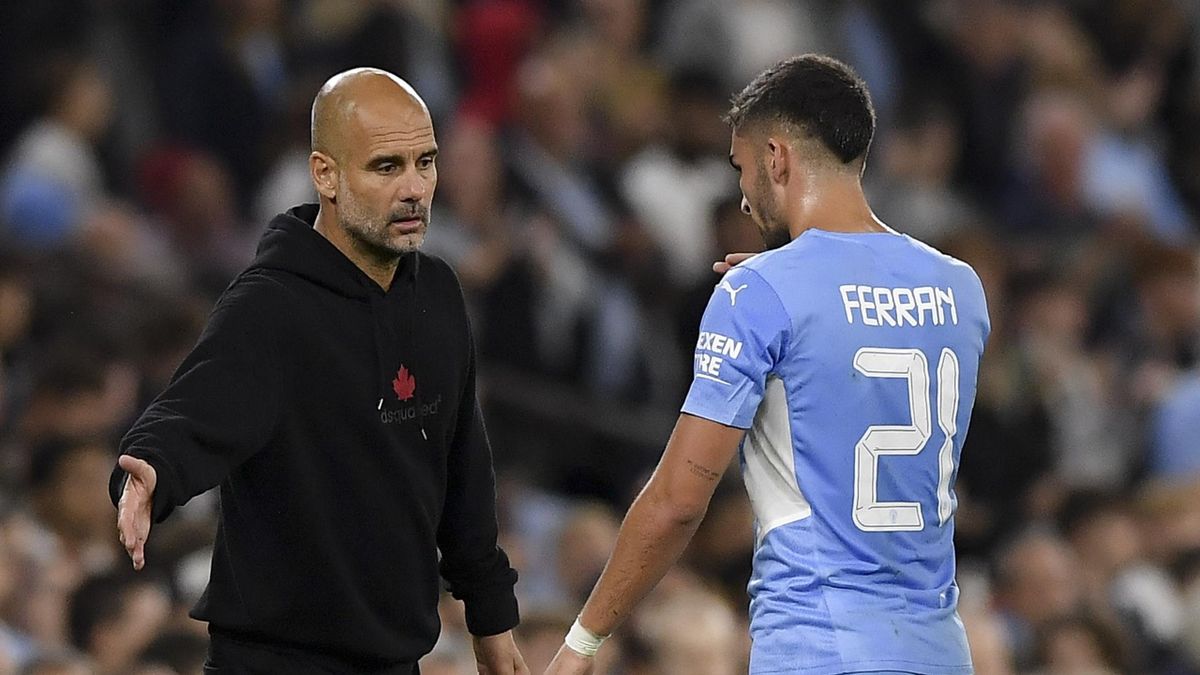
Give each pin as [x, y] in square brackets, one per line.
[842, 362]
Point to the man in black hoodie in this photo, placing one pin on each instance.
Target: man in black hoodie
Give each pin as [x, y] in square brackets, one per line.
[332, 397]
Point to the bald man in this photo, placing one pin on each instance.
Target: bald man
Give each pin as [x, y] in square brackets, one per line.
[332, 399]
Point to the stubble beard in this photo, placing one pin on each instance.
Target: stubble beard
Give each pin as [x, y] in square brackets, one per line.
[771, 224]
[370, 234]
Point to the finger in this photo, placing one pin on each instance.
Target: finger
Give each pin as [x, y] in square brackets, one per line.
[125, 530]
[133, 532]
[132, 465]
[721, 267]
[141, 473]
[139, 554]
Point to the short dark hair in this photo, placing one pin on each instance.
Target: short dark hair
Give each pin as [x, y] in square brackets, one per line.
[819, 94]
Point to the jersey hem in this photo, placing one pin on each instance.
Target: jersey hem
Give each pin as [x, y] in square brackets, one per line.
[723, 420]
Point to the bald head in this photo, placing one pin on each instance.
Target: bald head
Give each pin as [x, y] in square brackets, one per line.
[373, 167]
[351, 94]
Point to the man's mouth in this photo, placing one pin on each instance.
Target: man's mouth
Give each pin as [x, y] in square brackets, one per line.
[408, 225]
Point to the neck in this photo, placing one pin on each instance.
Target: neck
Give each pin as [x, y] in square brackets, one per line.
[835, 203]
[381, 271]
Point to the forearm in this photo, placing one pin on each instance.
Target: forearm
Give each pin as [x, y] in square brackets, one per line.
[651, 540]
[476, 568]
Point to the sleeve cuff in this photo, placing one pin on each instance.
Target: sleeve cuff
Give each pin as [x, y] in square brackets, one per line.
[492, 612]
[163, 500]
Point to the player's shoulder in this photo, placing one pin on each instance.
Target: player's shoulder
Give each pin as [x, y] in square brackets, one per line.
[953, 266]
[938, 254]
[774, 279]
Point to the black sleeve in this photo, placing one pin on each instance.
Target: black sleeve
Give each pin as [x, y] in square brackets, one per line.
[221, 404]
[475, 567]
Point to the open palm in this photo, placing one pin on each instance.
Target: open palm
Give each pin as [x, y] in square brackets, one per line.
[135, 506]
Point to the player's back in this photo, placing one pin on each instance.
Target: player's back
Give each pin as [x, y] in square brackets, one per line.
[867, 349]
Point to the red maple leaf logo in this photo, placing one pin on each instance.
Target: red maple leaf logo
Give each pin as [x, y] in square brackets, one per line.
[404, 385]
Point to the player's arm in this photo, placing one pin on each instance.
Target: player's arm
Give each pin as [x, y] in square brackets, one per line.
[743, 336]
[662, 519]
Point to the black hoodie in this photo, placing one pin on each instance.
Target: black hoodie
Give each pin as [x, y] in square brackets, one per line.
[342, 425]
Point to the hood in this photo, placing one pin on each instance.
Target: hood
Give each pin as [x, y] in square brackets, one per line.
[291, 244]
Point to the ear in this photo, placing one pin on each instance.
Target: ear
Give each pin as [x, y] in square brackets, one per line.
[323, 170]
[777, 164]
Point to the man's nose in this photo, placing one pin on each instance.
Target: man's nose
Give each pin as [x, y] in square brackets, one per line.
[413, 186]
[745, 205]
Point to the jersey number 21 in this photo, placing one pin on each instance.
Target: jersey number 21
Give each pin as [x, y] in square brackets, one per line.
[870, 514]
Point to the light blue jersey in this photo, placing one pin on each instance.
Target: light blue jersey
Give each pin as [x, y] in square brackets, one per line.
[852, 360]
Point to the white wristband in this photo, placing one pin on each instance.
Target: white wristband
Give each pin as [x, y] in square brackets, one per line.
[583, 641]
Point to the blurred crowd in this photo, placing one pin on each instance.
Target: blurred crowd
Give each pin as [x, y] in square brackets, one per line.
[584, 192]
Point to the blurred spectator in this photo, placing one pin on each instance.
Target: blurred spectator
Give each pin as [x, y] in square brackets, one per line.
[1080, 646]
[691, 631]
[977, 52]
[220, 79]
[1035, 584]
[913, 192]
[1173, 454]
[674, 187]
[53, 176]
[69, 503]
[115, 616]
[1092, 432]
[1163, 328]
[1117, 575]
[1046, 199]
[193, 201]
[740, 39]
[79, 394]
[59, 664]
[493, 38]
[16, 316]
[476, 231]
[587, 537]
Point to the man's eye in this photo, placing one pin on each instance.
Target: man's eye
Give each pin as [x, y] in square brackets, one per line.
[426, 162]
[387, 168]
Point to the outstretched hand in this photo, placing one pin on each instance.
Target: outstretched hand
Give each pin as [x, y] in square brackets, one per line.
[135, 506]
[731, 260]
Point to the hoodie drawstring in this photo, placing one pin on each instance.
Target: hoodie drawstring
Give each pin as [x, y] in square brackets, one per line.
[379, 359]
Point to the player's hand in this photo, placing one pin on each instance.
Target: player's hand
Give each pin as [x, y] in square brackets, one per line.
[731, 259]
[570, 662]
[498, 655]
[134, 507]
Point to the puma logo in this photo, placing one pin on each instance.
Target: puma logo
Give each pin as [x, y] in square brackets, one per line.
[732, 291]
